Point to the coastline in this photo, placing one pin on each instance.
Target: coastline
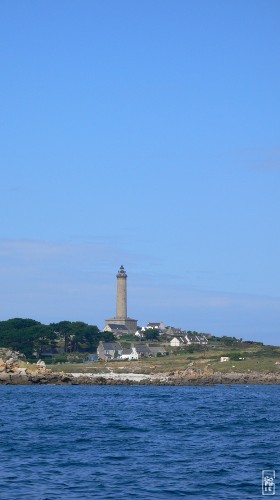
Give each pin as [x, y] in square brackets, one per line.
[188, 377]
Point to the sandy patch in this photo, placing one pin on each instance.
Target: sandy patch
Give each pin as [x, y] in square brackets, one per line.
[137, 377]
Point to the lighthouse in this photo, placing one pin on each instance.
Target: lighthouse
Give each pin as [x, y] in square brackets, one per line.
[121, 324]
[121, 294]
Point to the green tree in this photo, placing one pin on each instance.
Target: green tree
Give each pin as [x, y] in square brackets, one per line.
[80, 337]
[63, 332]
[151, 334]
[25, 335]
[30, 337]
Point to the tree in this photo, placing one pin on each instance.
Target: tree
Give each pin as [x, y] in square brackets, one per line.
[151, 334]
[25, 335]
[79, 336]
[30, 337]
[63, 331]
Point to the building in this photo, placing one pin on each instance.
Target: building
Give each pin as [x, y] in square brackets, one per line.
[116, 329]
[156, 326]
[172, 331]
[129, 354]
[188, 340]
[109, 350]
[177, 342]
[115, 351]
[143, 351]
[196, 339]
[121, 317]
[158, 351]
[159, 327]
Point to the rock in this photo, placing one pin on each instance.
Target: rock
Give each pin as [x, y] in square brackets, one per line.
[5, 378]
[21, 371]
[41, 364]
[19, 378]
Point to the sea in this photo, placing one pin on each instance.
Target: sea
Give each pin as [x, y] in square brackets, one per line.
[139, 442]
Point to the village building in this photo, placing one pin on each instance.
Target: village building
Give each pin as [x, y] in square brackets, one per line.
[158, 350]
[129, 354]
[143, 351]
[173, 331]
[140, 333]
[188, 340]
[117, 330]
[155, 326]
[109, 350]
[196, 339]
[178, 342]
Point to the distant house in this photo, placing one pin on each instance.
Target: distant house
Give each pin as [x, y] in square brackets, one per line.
[203, 339]
[177, 342]
[159, 327]
[117, 330]
[171, 331]
[155, 326]
[196, 339]
[109, 350]
[224, 358]
[129, 354]
[140, 332]
[143, 351]
[155, 350]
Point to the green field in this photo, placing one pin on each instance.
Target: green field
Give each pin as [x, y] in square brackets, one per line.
[257, 358]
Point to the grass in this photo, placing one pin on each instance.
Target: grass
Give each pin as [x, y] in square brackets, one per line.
[257, 358]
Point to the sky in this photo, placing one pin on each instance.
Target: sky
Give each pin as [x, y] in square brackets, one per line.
[144, 134]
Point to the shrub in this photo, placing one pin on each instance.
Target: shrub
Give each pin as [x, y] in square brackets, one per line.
[60, 358]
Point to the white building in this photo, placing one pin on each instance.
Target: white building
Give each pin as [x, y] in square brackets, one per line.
[129, 354]
[176, 342]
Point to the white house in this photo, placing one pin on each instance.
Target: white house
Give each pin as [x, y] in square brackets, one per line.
[140, 333]
[175, 342]
[196, 339]
[224, 358]
[129, 354]
[155, 326]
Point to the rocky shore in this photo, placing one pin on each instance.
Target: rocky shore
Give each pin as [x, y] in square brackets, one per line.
[12, 374]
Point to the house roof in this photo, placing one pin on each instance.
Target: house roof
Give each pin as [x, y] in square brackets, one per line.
[126, 351]
[142, 348]
[155, 350]
[181, 340]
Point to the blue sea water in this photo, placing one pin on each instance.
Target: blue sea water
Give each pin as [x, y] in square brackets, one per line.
[137, 442]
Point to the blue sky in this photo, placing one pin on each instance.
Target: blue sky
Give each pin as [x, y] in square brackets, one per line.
[144, 134]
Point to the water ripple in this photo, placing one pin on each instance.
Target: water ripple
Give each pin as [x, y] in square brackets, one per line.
[109, 442]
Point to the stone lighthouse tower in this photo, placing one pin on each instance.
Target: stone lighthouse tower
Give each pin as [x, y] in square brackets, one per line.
[121, 294]
[121, 323]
